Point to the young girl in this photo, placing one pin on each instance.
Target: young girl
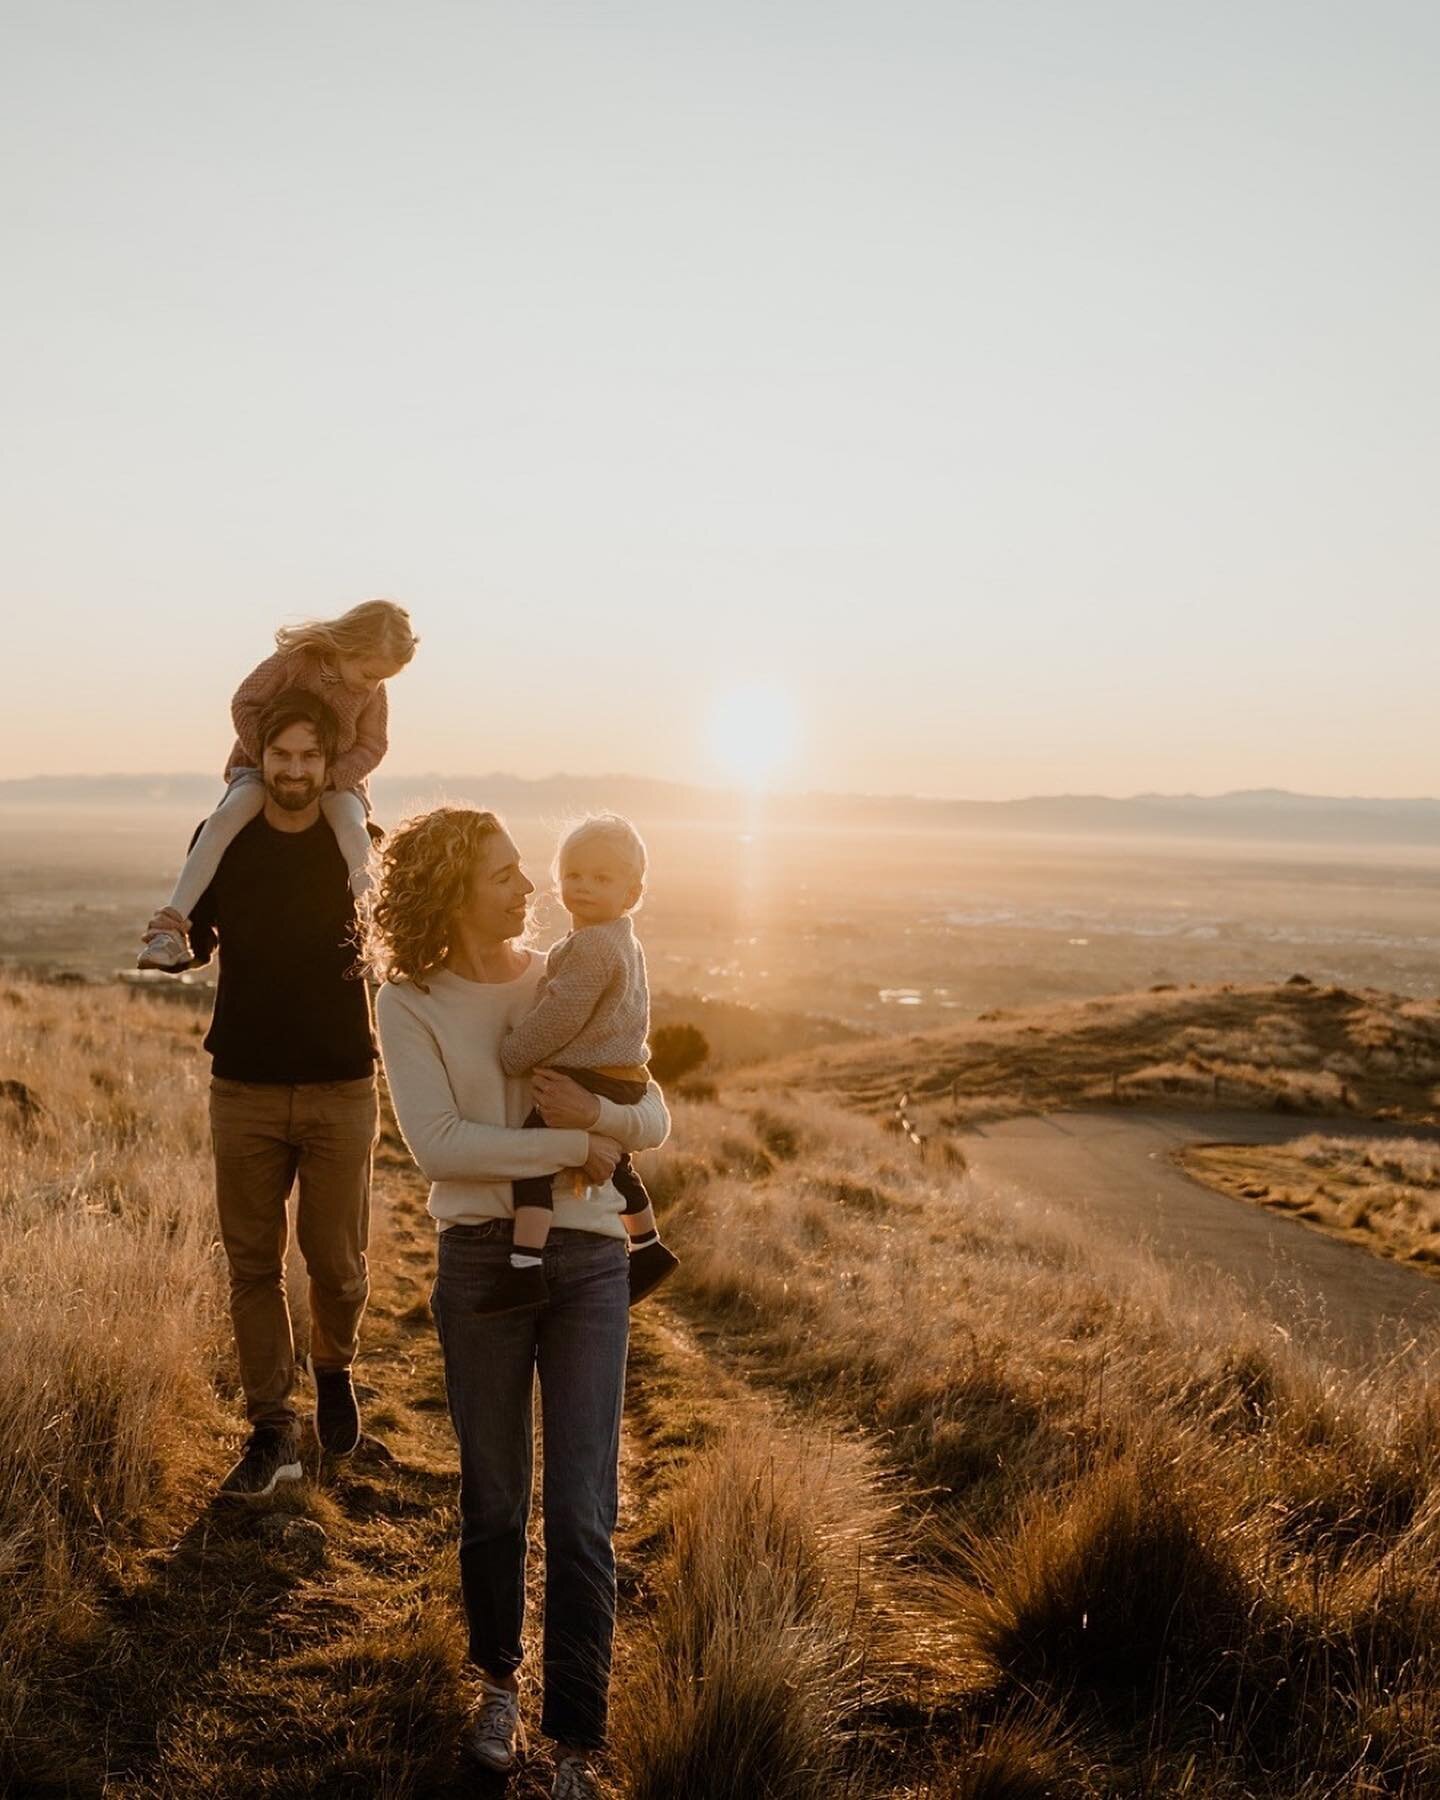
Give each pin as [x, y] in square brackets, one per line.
[590, 1023]
[346, 661]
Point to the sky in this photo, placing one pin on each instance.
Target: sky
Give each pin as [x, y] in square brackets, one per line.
[1027, 396]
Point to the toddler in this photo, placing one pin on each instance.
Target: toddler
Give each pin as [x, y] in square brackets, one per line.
[346, 661]
[590, 1023]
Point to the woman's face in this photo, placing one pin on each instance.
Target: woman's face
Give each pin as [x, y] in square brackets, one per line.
[495, 905]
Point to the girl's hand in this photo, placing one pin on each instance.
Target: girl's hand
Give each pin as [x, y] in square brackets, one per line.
[562, 1103]
[600, 1165]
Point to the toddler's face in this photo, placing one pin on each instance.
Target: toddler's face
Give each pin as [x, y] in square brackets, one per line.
[597, 884]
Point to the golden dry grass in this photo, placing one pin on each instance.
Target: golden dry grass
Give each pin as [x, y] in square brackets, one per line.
[109, 1309]
[751, 1673]
[1380, 1194]
[919, 1502]
[1211, 1561]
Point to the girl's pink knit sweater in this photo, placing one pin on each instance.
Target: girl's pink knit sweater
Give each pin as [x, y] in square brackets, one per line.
[362, 717]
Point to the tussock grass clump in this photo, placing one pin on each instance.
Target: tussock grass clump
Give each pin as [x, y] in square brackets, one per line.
[751, 1671]
[861, 1196]
[781, 1137]
[1127, 1590]
[1019, 1756]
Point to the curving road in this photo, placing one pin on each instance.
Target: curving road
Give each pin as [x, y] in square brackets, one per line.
[1112, 1172]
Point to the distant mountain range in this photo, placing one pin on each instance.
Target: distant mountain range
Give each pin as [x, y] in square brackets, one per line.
[1256, 814]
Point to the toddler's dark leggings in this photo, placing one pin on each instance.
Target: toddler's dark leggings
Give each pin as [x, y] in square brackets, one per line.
[534, 1190]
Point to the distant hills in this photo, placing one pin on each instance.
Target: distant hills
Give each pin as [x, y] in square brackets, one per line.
[1293, 1046]
[1256, 814]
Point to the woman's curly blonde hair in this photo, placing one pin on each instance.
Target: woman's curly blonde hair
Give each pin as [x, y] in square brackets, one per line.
[425, 872]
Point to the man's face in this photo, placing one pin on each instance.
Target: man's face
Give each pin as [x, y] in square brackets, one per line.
[294, 767]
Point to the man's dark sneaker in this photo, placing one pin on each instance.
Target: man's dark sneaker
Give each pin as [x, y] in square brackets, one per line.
[337, 1416]
[271, 1456]
[515, 1289]
[648, 1268]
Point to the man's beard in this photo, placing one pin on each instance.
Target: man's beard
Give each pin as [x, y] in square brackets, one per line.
[293, 796]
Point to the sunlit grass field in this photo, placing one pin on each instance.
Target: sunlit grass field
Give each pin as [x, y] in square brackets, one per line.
[919, 1500]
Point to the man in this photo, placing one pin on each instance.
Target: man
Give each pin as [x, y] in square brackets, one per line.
[292, 1094]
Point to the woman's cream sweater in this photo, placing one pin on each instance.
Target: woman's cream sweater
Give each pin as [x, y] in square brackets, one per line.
[461, 1115]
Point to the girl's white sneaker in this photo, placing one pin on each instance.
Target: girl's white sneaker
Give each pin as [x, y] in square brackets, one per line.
[166, 950]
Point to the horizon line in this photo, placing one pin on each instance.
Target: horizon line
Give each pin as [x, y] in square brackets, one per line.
[748, 796]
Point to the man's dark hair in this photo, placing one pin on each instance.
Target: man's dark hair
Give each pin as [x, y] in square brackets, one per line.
[297, 706]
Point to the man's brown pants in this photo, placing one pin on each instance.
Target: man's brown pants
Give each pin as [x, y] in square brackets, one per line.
[264, 1137]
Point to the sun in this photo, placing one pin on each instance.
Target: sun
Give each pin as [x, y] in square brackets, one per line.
[753, 731]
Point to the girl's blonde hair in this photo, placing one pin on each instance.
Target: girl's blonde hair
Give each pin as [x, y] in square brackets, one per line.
[426, 868]
[374, 628]
[607, 828]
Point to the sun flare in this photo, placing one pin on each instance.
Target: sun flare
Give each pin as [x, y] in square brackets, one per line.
[753, 731]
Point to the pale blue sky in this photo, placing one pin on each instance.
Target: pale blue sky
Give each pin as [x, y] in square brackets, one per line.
[1043, 395]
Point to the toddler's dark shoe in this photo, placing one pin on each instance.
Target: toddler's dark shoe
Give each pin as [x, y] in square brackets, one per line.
[648, 1268]
[515, 1289]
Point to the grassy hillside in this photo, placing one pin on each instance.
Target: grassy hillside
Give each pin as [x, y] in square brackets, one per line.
[917, 1502]
[1136, 1545]
[1292, 1046]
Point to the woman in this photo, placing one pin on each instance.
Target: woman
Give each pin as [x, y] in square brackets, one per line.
[451, 903]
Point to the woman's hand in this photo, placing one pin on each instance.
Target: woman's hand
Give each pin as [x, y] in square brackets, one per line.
[599, 1165]
[563, 1104]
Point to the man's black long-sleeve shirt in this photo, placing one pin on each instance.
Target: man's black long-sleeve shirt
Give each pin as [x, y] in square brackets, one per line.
[290, 1002]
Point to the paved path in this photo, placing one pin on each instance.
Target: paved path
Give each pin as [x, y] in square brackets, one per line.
[1114, 1172]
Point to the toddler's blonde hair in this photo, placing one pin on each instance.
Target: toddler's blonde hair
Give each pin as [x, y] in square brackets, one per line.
[608, 828]
[374, 628]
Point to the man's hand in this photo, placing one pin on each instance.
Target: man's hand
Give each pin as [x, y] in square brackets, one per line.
[167, 919]
[562, 1103]
[599, 1166]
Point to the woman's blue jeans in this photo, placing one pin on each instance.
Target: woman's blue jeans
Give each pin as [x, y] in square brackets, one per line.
[577, 1342]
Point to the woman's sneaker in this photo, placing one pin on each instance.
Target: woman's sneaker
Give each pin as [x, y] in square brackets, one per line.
[648, 1268]
[271, 1456]
[495, 1736]
[515, 1289]
[574, 1780]
[166, 950]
